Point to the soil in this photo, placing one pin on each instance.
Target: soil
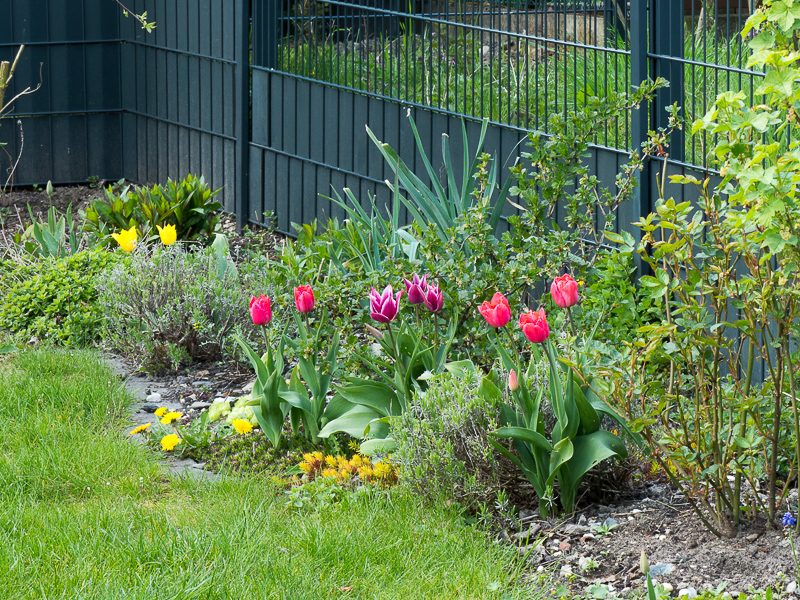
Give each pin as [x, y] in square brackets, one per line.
[650, 516]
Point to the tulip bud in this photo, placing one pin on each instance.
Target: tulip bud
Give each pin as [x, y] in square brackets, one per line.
[644, 564]
[374, 332]
[513, 382]
[304, 298]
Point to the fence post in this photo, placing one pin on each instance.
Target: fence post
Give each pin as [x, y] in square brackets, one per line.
[666, 39]
[242, 118]
[639, 118]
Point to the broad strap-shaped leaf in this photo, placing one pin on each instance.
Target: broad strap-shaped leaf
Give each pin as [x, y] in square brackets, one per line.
[372, 447]
[353, 422]
[562, 452]
[461, 368]
[375, 395]
[590, 450]
[589, 419]
[525, 435]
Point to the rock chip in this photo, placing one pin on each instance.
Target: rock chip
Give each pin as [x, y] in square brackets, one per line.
[154, 398]
[610, 522]
[659, 569]
[199, 405]
[149, 408]
[576, 530]
[525, 534]
[203, 383]
[688, 592]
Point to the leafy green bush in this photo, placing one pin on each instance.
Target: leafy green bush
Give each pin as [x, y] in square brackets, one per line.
[169, 305]
[55, 299]
[443, 443]
[187, 204]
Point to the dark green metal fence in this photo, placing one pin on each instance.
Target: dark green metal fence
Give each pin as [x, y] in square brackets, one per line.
[270, 98]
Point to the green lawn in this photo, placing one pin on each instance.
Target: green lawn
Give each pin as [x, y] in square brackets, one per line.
[88, 514]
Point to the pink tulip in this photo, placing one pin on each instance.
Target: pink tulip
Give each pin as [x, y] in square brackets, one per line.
[513, 382]
[564, 291]
[434, 300]
[416, 289]
[534, 326]
[260, 310]
[304, 298]
[383, 306]
[497, 312]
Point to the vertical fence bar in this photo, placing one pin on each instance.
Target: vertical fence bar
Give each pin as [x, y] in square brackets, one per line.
[242, 104]
[666, 39]
[639, 119]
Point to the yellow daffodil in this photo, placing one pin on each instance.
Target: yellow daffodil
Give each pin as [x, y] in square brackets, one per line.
[141, 428]
[161, 411]
[242, 426]
[126, 238]
[168, 234]
[169, 442]
[170, 417]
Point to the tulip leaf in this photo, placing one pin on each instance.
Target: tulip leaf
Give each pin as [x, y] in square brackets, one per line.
[353, 423]
[562, 452]
[525, 435]
[383, 446]
[592, 449]
[378, 396]
[589, 419]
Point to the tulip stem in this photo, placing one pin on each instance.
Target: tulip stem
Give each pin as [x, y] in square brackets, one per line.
[571, 322]
[266, 339]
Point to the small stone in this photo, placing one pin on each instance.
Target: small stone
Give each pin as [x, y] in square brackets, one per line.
[154, 398]
[182, 379]
[149, 408]
[199, 405]
[564, 546]
[662, 537]
[791, 587]
[572, 529]
[584, 562]
[659, 569]
[566, 570]
[582, 520]
[203, 383]
[610, 522]
[525, 514]
[636, 511]
[630, 518]
[752, 537]
[667, 587]
[689, 592]
[587, 538]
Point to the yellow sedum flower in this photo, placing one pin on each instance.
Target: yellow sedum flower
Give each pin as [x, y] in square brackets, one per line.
[140, 428]
[170, 417]
[167, 234]
[169, 442]
[242, 426]
[126, 238]
[161, 411]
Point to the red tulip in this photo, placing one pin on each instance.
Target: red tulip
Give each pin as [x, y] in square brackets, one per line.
[304, 298]
[497, 312]
[564, 291]
[383, 306]
[534, 326]
[260, 310]
[416, 289]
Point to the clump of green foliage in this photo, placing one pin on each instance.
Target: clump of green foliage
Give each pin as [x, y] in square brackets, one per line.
[443, 443]
[170, 305]
[55, 299]
[187, 204]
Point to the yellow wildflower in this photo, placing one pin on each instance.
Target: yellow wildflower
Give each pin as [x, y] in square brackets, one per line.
[126, 238]
[305, 467]
[140, 428]
[161, 411]
[330, 473]
[330, 461]
[170, 417]
[169, 442]
[318, 456]
[167, 234]
[242, 426]
[383, 470]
